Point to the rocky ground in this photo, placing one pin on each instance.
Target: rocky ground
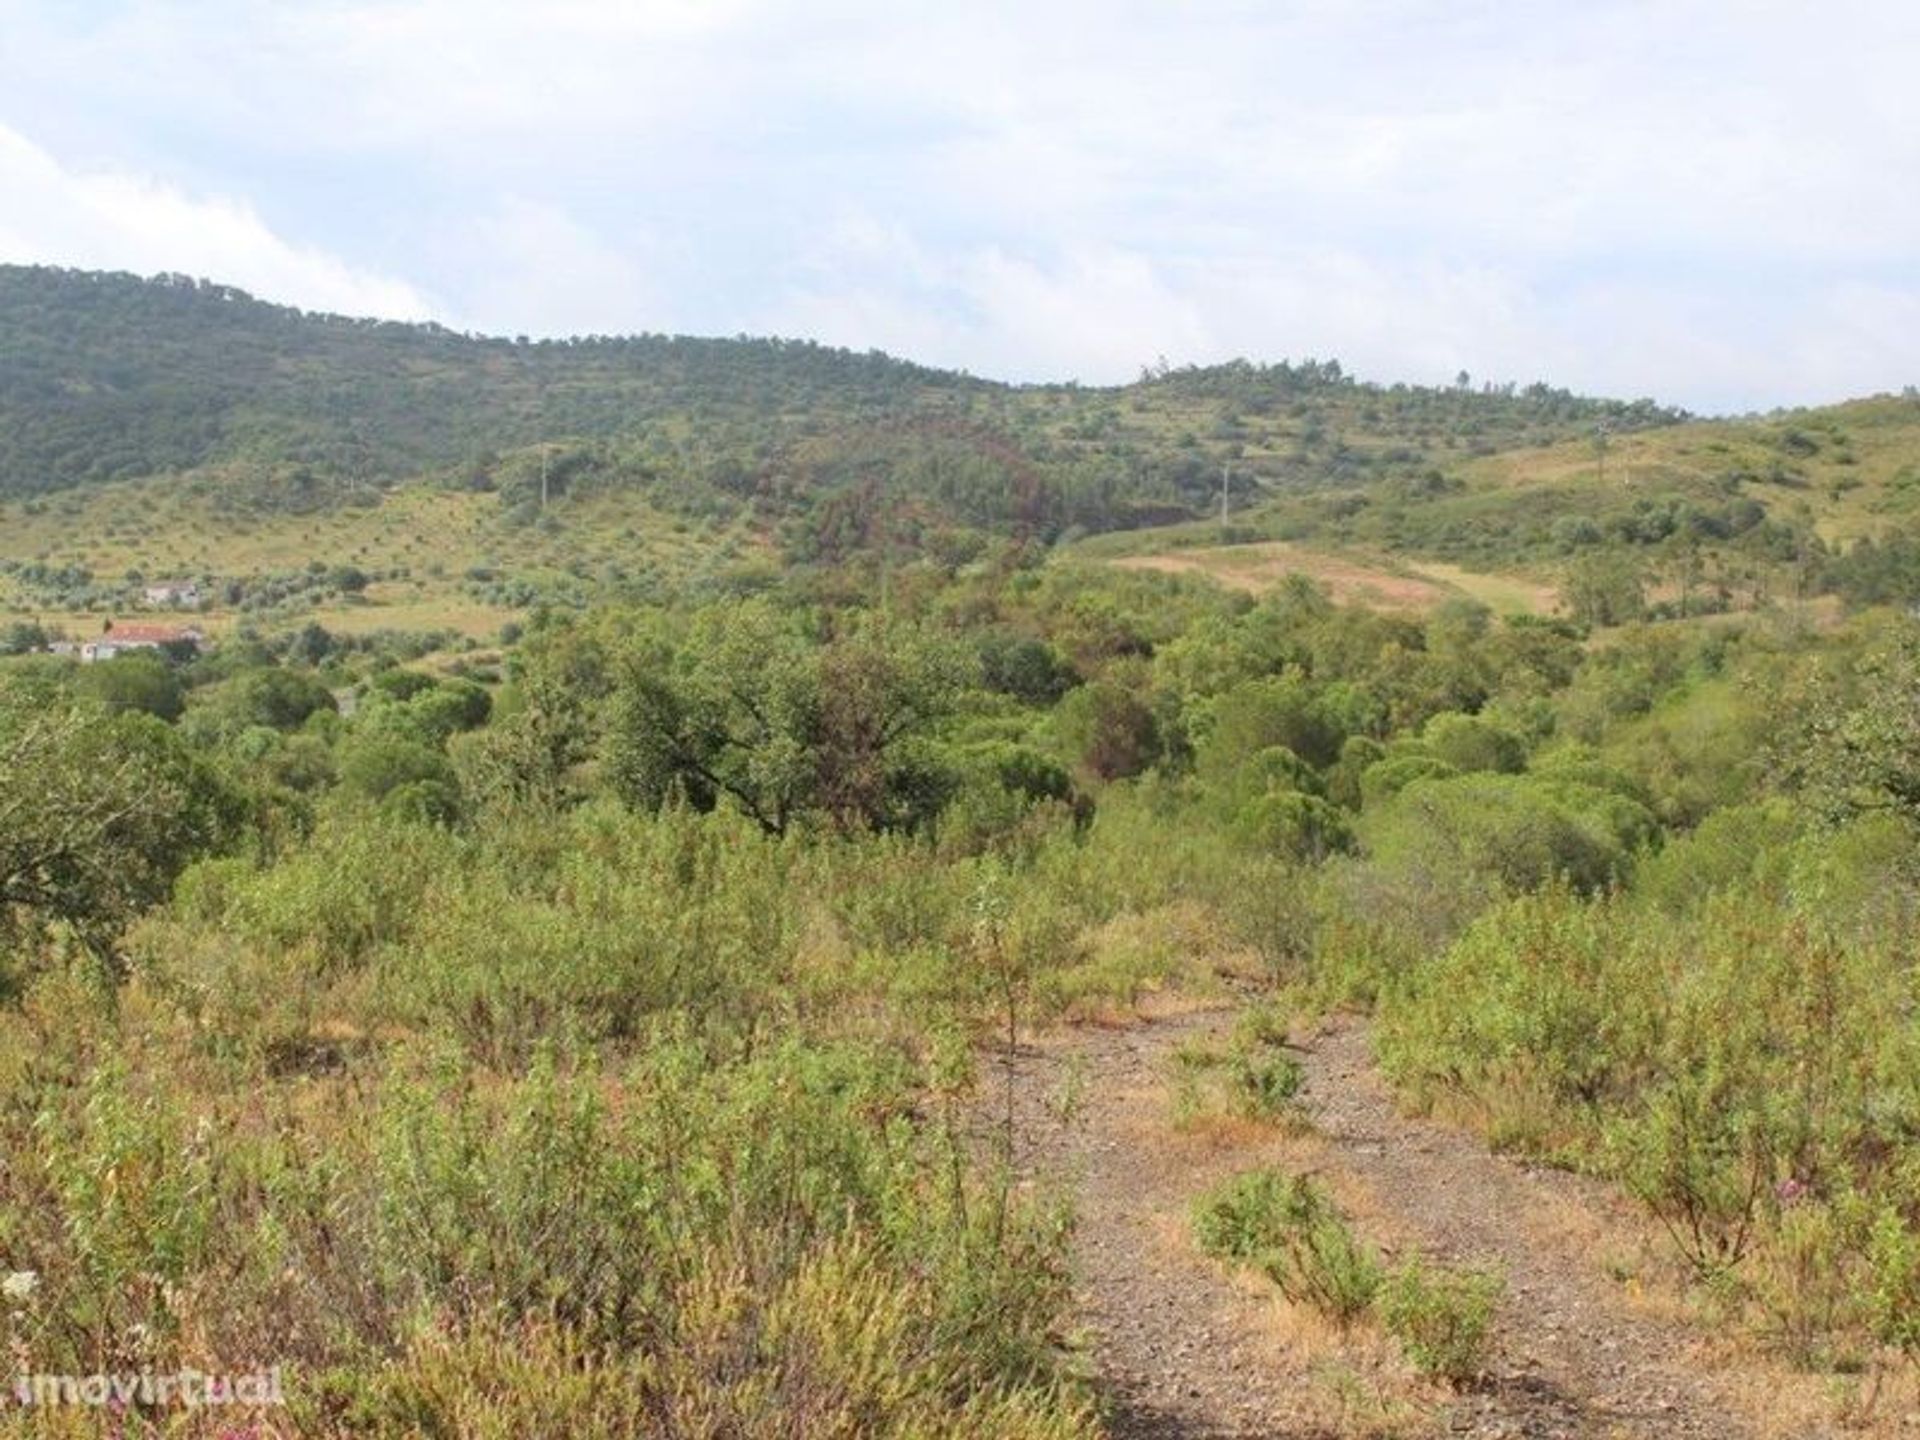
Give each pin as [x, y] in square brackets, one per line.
[1184, 1349]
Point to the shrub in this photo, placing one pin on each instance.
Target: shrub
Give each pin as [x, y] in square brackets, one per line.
[1286, 1227]
[1108, 731]
[134, 682]
[376, 767]
[1264, 1085]
[1468, 743]
[1510, 828]
[1384, 779]
[1443, 1318]
[1264, 714]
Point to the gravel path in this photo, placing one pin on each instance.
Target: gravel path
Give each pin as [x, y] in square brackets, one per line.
[1571, 1358]
[1186, 1351]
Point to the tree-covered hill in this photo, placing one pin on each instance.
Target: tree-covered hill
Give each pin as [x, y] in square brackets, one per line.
[110, 377]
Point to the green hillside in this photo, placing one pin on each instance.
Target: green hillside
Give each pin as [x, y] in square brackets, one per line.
[1699, 517]
[383, 475]
[111, 377]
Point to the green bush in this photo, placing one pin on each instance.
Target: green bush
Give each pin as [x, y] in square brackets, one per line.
[1386, 778]
[1265, 1084]
[1517, 831]
[1293, 826]
[1286, 1227]
[1108, 731]
[1469, 743]
[1443, 1318]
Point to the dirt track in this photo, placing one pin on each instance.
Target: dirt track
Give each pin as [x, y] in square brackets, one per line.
[1186, 1350]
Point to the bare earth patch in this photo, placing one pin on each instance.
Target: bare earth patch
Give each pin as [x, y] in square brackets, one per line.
[1262, 567]
[1409, 586]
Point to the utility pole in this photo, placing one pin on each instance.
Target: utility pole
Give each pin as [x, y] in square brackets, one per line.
[544, 453]
[1226, 473]
[885, 522]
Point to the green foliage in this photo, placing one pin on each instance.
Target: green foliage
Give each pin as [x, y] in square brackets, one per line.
[1293, 826]
[1265, 714]
[21, 637]
[587, 1028]
[1265, 1082]
[1442, 1318]
[1713, 1041]
[1605, 588]
[1469, 743]
[1107, 730]
[278, 698]
[843, 455]
[102, 812]
[1386, 778]
[748, 709]
[1287, 1228]
[1516, 831]
[134, 682]
[1030, 670]
[1858, 750]
[376, 767]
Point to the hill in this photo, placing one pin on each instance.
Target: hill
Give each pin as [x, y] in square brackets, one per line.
[1696, 517]
[176, 427]
[173, 426]
[111, 377]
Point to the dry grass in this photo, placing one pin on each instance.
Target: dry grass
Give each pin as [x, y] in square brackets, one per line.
[1262, 567]
[1850, 486]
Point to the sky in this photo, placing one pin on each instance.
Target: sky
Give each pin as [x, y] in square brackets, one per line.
[1713, 204]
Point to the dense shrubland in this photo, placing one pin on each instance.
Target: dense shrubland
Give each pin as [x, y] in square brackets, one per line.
[592, 1050]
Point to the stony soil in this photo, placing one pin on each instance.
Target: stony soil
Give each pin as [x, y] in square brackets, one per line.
[1185, 1350]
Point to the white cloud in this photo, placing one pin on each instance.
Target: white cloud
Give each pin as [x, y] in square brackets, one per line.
[1704, 201]
[542, 271]
[117, 221]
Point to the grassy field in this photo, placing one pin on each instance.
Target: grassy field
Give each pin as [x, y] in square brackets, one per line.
[1352, 579]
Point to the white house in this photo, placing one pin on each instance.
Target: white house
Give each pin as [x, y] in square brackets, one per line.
[175, 594]
[123, 638]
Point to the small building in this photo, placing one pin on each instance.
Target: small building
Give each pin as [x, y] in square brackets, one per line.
[120, 639]
[174, 594]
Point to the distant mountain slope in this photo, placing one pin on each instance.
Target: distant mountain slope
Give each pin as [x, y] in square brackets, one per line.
[106, 377]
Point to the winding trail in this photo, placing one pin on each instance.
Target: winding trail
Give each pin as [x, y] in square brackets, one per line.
[1186, 1351]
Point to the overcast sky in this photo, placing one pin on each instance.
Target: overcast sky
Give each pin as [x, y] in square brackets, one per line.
[1717, 204]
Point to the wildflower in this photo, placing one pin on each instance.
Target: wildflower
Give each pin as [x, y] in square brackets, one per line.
[1790, 1190]
[19, 1286]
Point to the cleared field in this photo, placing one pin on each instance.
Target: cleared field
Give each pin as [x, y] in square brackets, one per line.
[1264, 566]
[1503, 594]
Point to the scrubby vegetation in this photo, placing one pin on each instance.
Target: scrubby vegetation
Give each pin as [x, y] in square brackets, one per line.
[616, 1016]
[1290, 1230]
[576, 1032]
